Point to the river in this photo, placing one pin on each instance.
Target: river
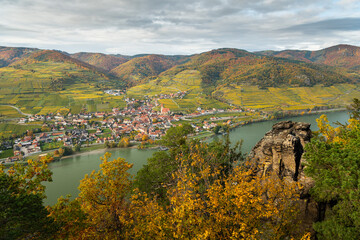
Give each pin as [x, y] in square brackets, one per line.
[68, 172]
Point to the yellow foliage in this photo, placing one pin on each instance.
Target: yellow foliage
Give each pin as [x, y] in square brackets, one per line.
[206, 205]
[330, 133]
[102, 198]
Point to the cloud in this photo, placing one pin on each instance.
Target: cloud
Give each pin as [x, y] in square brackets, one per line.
[173, 26]
[329, 25]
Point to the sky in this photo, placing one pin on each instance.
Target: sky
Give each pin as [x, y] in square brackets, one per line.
[172, 27]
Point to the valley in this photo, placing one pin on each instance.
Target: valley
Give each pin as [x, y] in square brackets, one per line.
[213, 91]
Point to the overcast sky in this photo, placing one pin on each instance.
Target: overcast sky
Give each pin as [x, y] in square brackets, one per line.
[178, 26]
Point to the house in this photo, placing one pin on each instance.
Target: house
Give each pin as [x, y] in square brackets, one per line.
[165, 111]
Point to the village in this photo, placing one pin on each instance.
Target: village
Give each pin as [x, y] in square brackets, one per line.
[138, 123]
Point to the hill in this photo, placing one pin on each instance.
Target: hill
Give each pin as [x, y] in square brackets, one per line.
[140, 69]
[240, 78]
[345, 56]
[44, 81]
[219, 78]
[9, 55]
[101, 61]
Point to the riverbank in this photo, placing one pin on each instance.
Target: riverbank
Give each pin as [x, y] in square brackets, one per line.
[68, 172]
[95, 148]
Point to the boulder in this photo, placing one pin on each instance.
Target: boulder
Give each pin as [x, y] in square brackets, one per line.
[281, 151]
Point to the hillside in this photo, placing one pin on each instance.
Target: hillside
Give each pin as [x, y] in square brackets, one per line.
[219, 78]
[240, 78]
[46, 80]
[9, 55]
[345, 56]
[99, 60]
[139, 70]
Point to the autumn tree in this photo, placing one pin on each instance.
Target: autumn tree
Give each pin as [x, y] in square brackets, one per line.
[102, 198]
[69, 217]
[204, 203]
[156, 176]
[124, 142]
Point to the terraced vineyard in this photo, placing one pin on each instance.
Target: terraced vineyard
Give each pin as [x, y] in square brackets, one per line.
[41, 87]
[7, 112]
[189, 81]
[288, 98]
[43, 81]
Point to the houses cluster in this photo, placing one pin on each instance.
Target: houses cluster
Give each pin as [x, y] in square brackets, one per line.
[134, 121]
[115, 92]
[25, 147]
[179, 94]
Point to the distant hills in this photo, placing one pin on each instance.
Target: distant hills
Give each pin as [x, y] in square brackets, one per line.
[222, 75]
[266, 68]
[342, 55]
[234, 66]
[101, 61]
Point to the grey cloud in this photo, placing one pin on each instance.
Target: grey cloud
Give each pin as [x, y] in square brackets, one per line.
[342, 24]
[159, 25]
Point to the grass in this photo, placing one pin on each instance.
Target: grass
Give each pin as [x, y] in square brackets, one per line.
[52, 145]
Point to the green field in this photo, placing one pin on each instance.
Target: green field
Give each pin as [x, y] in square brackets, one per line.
[6, 153]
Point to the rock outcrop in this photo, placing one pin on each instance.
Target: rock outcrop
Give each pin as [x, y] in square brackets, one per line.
[281, 151]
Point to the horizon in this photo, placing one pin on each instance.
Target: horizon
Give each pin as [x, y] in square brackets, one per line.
[178, 28]
[114, 54]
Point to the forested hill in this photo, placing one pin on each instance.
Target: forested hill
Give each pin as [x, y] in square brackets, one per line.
[9, 55]
[100, 60]
[234, 66]
[345, 56]
[140, 69]
[333, 65]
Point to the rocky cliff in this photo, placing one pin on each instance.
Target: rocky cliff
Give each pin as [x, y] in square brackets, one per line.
[281, 151]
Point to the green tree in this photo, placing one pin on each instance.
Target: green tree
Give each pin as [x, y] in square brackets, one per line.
[355, 109]
[333, 162]
[335, 167]
[22, 215]
[176, 136]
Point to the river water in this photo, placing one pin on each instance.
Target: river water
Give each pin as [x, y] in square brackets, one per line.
[68, 172]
